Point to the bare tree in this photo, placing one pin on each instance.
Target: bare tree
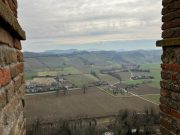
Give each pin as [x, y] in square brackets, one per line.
[84, 88]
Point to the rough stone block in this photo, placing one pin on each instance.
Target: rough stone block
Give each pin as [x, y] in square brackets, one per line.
[16, 69]
[3, 99]
[20, 56]
[5, 76]
[8, 55]
[18, 82]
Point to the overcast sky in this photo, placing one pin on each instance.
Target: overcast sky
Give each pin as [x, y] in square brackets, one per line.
[90, 24]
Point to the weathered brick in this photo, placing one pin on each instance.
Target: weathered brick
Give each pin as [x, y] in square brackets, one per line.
[164, 131]
[16, 69]
[18, 82]
[173, 6]
[166, 2]
[171, 16]
[11, 113]
[171, 24]
[169, 85]
[5, 76]
[171, 67]
[169, 111]
[170, 103]
[17, 44]
[169, 125]
[3, 98]
[169, 75]
[20, 56]
[165, 93]
[7, 55]
[9, 91]
[5, 37]
[171, 33]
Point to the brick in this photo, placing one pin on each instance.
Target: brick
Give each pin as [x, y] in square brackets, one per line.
[170, 103]
[11, 114]
[3, 99]
[175, 123]
[168, 75]
[171, 67]
[13, 6]
[165, 93]
[20, 56]
[169, 111]
[8, 55]
[169, 125]
[169, 85]
[173, 6]
[164, 131]
[166, 2]
[171, 33]
[5, 76]
[171, 24]
[16, 69]
[17, 44]
[9, 91]
[171, 16]
[18, 82]
[5, 37]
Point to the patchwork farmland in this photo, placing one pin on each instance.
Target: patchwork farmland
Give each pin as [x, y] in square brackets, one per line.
[89, 85]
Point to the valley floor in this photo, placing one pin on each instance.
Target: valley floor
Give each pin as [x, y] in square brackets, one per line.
[53, 106]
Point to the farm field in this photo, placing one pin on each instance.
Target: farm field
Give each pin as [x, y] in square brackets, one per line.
[125, 76]
[81, 79]
[51, 107]
[64, 71]
[145, 89]
[154, 98]
[110, 79]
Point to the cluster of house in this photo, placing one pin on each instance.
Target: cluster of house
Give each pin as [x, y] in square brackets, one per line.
[47, 84]
[98, 83]
[121, 88]
[141, 77]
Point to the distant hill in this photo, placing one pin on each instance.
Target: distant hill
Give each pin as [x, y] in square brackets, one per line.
[59, 58]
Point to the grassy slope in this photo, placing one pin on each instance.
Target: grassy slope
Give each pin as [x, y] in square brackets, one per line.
[64, 71]
[108, 78]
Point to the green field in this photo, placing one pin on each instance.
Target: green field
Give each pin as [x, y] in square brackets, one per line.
[125, 76]
[155, 72]
[110, 79]
[151, 66]
[29, 74]
[63, 71]
[133, 81]
[153, 98]
[79, 80]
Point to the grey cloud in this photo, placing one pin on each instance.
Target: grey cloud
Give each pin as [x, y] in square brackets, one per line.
[58, 19]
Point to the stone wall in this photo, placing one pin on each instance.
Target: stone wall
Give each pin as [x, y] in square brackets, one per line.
[12, 120]
[170, 74]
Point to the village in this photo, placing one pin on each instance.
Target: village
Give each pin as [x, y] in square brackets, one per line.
[59, 83]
